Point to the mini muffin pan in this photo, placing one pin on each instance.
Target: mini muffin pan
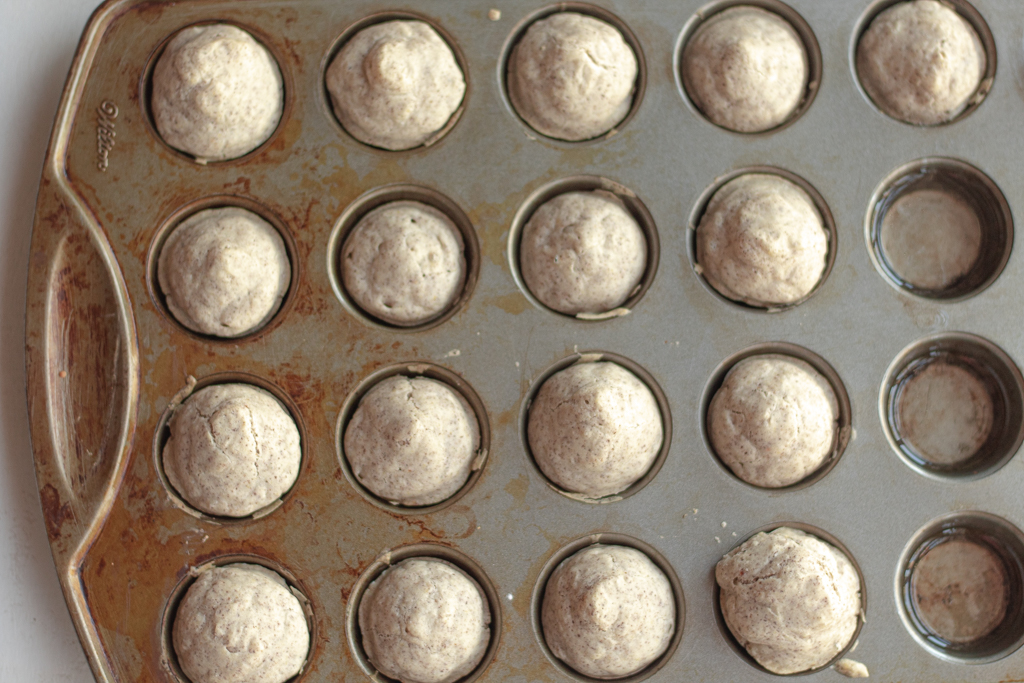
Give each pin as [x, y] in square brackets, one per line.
[107, 362]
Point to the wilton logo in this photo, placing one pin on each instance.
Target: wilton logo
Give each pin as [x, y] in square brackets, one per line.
[105, 115]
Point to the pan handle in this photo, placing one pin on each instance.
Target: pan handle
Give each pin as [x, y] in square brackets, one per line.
[83, 386]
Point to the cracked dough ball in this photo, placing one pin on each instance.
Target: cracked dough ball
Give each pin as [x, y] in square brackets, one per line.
[790, 599]
[594, 429]
[217, 93]
[774, 420]
[233, 450]
[404, 263]
[394, 85]
[746, 69]
[608, 611]
[424, 621]
[224, 272]
[240, 623]
[412, 441]
[582, 252]
[761, 241]
[572, 77]
[920, 62]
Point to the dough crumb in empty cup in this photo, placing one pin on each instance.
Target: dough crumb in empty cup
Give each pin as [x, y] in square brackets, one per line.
[572, 76]
[395, 84]
[931, 239]
[746, 69]
[217, 93]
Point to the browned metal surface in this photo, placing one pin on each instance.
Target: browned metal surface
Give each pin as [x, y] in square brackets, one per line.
[105, 359]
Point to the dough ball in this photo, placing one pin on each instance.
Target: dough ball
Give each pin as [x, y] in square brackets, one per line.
[233, 450]
[582, 252]
[404, 263]
[746, 69]
[224, 272]
[762, 241]
[572, 77]
[240, 623]
[920, 62]
[594, 429]
[608, 611]
[217, 93]
[424, 621]
[395, 84]
[412, 441]
[790, 599]
[774, 420]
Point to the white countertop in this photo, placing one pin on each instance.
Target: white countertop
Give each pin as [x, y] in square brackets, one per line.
[37, 42]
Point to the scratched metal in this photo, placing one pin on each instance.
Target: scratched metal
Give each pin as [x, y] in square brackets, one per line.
[105, 360]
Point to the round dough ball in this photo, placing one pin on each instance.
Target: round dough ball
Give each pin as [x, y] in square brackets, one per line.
[224, 272]
[424, 621]
[746, 69]
[762, 241]
[791, 600]
[233, 450]
[404, 263]
[920, 62]
[217, 93]
[774, 420]
[395, 84]
[594, 429]
[412, 441]
[240, 623]
[582, 252]
[572, 77]
[608, 611]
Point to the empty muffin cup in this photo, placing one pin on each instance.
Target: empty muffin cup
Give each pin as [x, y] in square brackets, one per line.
[960, 587]
[952, 406]
[940, 229]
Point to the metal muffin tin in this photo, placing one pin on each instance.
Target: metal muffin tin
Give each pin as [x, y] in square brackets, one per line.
[106, 361]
